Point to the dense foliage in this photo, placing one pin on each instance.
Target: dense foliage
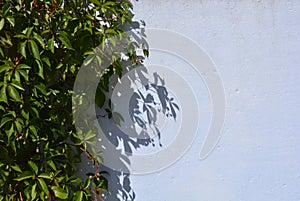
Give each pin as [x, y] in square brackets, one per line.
[43, 43]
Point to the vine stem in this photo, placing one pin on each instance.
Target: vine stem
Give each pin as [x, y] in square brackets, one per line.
[21, 197]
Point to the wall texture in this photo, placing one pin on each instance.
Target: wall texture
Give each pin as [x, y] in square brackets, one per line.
[255, 46]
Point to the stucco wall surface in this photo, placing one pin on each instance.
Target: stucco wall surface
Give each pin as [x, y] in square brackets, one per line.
[255, 46]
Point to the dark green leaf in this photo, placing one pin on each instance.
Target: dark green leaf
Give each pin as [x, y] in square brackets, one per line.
[41, 68]
[4, 121]
[99, 98]
[65, 41]
[34, 49]
[33, 166]
[5, 67]
[13, 93]
[50, 44]
[39, 39]
[3, 96]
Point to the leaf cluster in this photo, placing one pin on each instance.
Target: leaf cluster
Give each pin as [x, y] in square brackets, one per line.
[43, 43]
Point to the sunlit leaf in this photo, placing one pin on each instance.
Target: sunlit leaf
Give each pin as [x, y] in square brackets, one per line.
[13, 93]
[34, 49]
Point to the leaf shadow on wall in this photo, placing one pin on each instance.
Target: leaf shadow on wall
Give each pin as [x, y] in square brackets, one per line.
[149, 99]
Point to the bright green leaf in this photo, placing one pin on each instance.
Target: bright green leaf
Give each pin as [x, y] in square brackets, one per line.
[43, 185]
[78, 196]
[59, 192]
[11, 20]
[2, 23]
[23, 48]
[16, 167]
[39, 39]
[44, 176]
[17, 85]
[23, 66]
[24, 175]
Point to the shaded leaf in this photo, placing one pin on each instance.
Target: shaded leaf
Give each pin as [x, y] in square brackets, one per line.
[50, 44]
[65, 41]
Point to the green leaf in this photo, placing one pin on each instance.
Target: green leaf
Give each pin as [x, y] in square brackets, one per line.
[16, 167]
[13, 93]
[46, 61]
[33, 192]
[50, 44]
[5, 67]
[51, 164]
[24, 74]
[43, 185]
[3, 96]
[41, 68]
[4, 121]
[78, 196]
[20, 36]
[90, 134]
[23, 48]
[33, 166]
[11, 20]
[45, 176]
[23, 66]
[34, 49]
[65, 41]
[17, 85]
[59, 192]
[1, 52]
[2, 23]
[33, 130]
[24, 175]
[39, 39]
[42, 88]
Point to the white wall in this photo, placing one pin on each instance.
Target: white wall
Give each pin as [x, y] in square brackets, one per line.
[256, 47]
